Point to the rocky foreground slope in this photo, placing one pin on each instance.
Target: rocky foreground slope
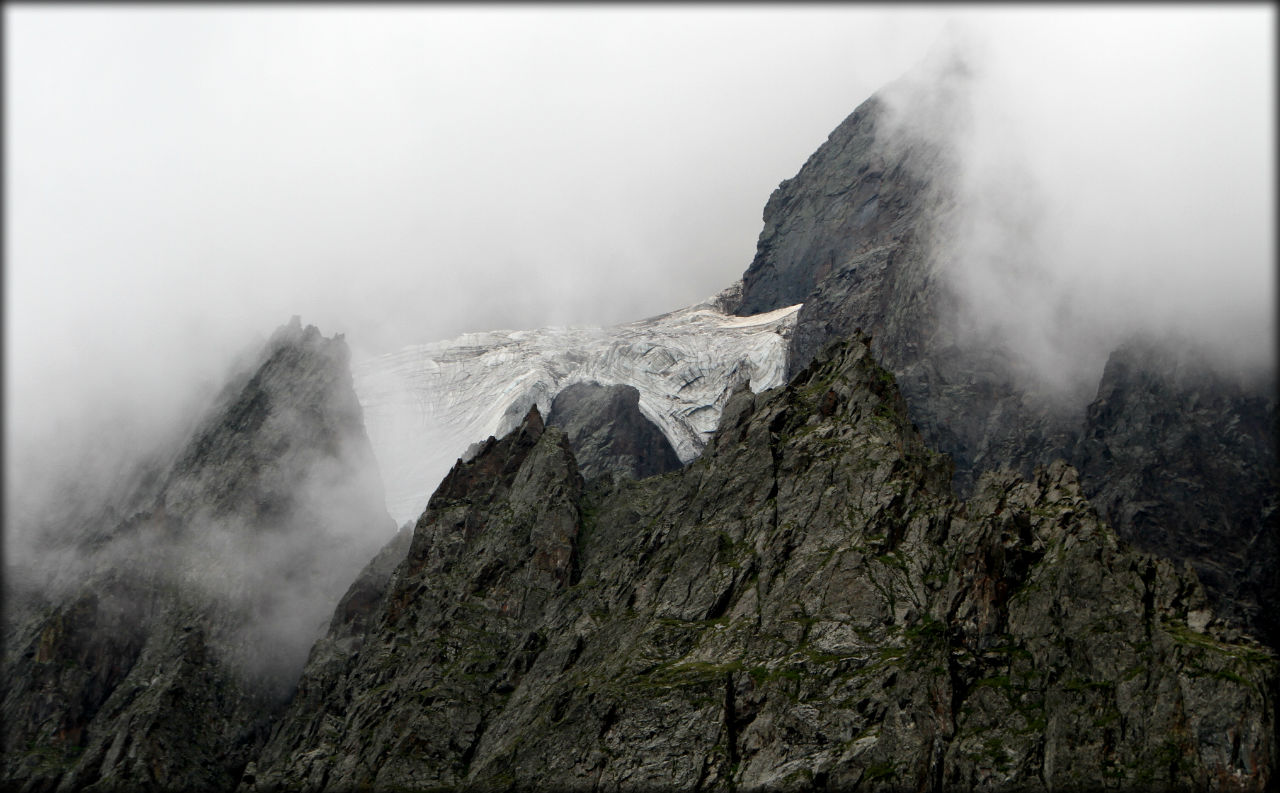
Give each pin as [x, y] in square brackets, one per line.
[806, 605]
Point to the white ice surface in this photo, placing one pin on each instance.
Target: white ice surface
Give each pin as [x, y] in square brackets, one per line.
[424, 405]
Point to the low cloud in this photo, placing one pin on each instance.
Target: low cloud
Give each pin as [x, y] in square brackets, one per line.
[1115, 179]
[251, 528]
[180, 181]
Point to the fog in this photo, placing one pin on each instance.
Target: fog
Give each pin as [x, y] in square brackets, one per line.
[182, 180]
[1116, 178]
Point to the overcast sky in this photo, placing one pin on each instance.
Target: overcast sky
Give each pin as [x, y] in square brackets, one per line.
[178, 178]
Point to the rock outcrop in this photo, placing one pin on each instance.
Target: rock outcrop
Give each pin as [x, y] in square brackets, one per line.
[808, 604]
[177, 633]
[609, 434]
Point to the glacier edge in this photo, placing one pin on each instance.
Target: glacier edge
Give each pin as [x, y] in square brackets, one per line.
[425, 404]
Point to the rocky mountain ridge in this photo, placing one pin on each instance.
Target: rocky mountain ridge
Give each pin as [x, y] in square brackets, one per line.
[1180, 456]
[806, 605]
[879, 572]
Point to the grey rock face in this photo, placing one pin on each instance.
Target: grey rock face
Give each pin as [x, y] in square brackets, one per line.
[853, 235]
[161, 665]
[808, 604]
[1182, 459]
[609, 434]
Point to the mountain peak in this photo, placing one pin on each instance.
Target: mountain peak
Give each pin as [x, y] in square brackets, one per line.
[210, 594]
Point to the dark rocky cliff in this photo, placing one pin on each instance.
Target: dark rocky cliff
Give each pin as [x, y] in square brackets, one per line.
[609, 434]
[859, 236]
[808, 604]
[1183, 457]
[161, 664]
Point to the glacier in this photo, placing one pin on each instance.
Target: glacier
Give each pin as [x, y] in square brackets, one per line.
[426, 404]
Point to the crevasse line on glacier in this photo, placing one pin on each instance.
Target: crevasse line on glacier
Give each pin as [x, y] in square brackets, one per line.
[425, 404]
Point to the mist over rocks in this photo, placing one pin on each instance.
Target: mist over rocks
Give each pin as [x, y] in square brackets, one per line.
[188, 620]
[859, 235]
[916, 517]
[890, 228]
[1181, 457]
